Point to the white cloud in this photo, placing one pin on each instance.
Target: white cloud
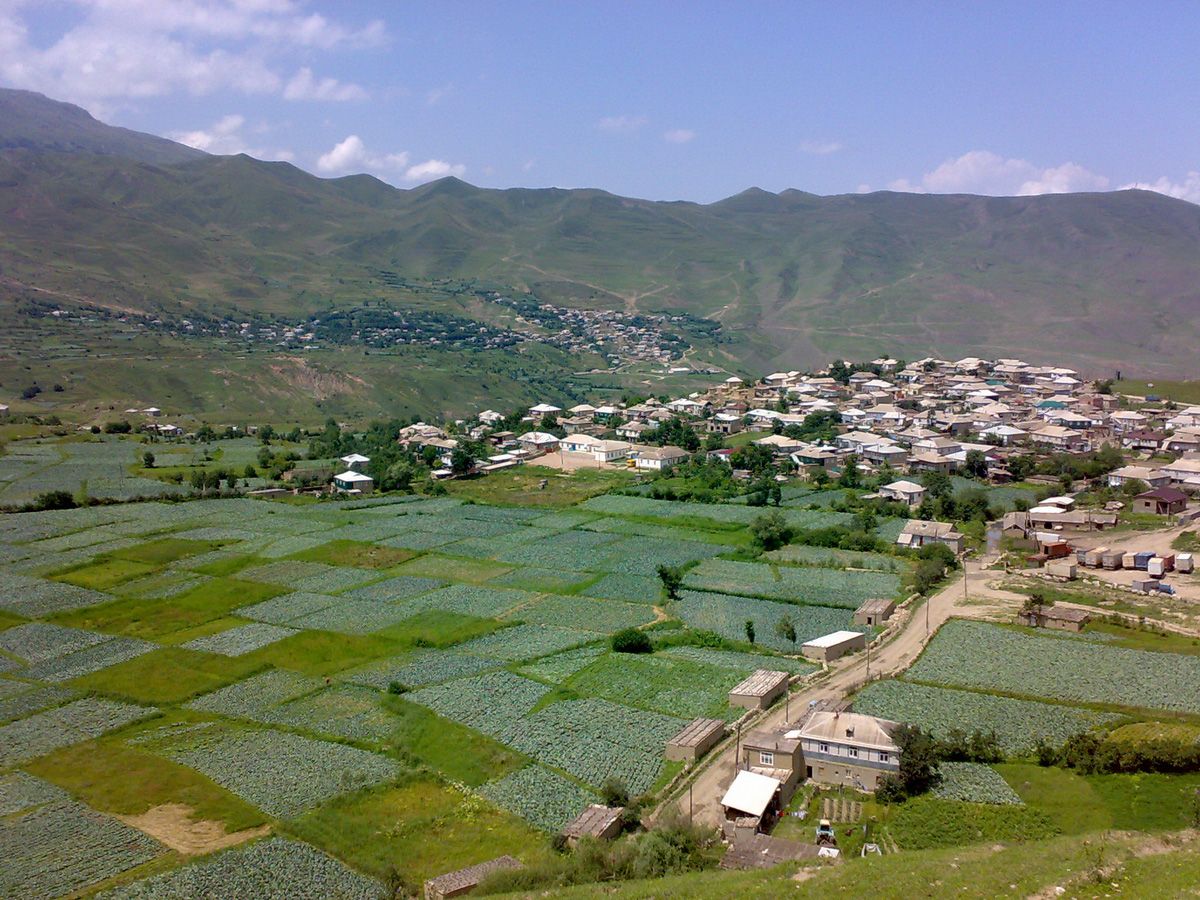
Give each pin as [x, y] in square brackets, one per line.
[305, 86]
[984, 172]
[820, 148]
[1188, 189]
[617, 124]
[351, 155]
[434, 168]
[127, 49]
[225, 137]
[438, 94]
[678, 135]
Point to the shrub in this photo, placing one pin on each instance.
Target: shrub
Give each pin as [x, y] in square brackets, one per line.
[630, 640]
[771, 530]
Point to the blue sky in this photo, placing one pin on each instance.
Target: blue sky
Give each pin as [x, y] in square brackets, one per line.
[666, 100]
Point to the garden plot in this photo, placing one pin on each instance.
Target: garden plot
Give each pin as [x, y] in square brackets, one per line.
[241, 640]
[1018, 724]
[249, 699]
[397, 588]
[575, 551]
[539, 796]
[471, 600]
[34, 597]
[282, 774]
[594, 740]
[740, 662]
[487, 703]
[292, 543]
[39, 641]
[287, 607]
[558, 668]
[162, 585]
[603, 616]
[27, 699]
[352, 617]
[665, 684]
[526, 642]
[451, 569]
[101, 465]
[316, 578]
[419, 540]
[822, 587]
[63, 847]
[628, 528]
[729, 514]
[344, 711]
[643, 556]
[19, 791]
[422, 668]
[77, 721]
[634, 588]
[830, 558]
[995, 658]
[90, 659]
[273, 869]
[727, 615]
[534, 578]
[975, 783]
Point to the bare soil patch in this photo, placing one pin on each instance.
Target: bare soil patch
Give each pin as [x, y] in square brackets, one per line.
[173, 825]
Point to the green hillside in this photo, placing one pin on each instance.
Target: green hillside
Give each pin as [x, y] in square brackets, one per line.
[92, 215]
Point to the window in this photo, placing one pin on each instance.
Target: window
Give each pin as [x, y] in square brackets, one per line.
[853, 751]
[885, 757]
[767, 759]
[822, 748]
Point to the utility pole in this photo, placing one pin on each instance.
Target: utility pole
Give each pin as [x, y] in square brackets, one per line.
[737, 753]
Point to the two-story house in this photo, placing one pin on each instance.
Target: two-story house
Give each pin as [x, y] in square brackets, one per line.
[848, 748]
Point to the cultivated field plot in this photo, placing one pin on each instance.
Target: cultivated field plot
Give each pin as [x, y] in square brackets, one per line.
[33, 597]
[39, 641]
[271, 869]
[251, 698]
[1018, 724]
[727, 615]
[240, 640]
[634, 588]
[603, 616]
[975, 783]
[287, 607]
[726, 513]
[101, 464]
[666, 684]
[992, 657]
[831, 558]
[80, 720]
[745, 663]
[421, 668]
[18, 700]
[487, 703]
[558, 668]
[527, 642]
[397, 588]
[824, 587]
[315, 578]
[19, 791]
[89, 659]
[533, 578]
[472, 600]
[352, 617]
[282, 774]
[35, 864]
[593, 740]
[540, 796]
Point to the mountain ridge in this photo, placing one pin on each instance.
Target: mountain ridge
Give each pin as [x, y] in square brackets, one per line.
[1104, 280]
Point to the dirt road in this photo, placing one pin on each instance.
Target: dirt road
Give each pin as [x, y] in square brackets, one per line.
[844, 676]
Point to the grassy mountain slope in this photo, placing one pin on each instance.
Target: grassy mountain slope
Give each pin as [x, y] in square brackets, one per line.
[1099, 280]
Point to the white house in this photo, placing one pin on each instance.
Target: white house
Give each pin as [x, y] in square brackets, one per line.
[905, 491]
[538, 442]
[656, 459]
[354, 462]
[352, 482]
[490, 417]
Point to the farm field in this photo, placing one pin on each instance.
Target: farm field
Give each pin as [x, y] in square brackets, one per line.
[319, 669]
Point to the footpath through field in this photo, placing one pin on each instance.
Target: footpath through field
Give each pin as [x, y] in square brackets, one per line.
[844, 676]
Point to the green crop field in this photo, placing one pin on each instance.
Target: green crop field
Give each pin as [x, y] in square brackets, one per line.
[435, 678]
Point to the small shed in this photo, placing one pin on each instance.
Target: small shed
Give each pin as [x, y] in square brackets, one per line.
[834, 646]
[875, 611]
[1163, 501]
[463, 881]
[697, 738]
[599, 822]
[750, 795]
[1064, 618]
[760, 690]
